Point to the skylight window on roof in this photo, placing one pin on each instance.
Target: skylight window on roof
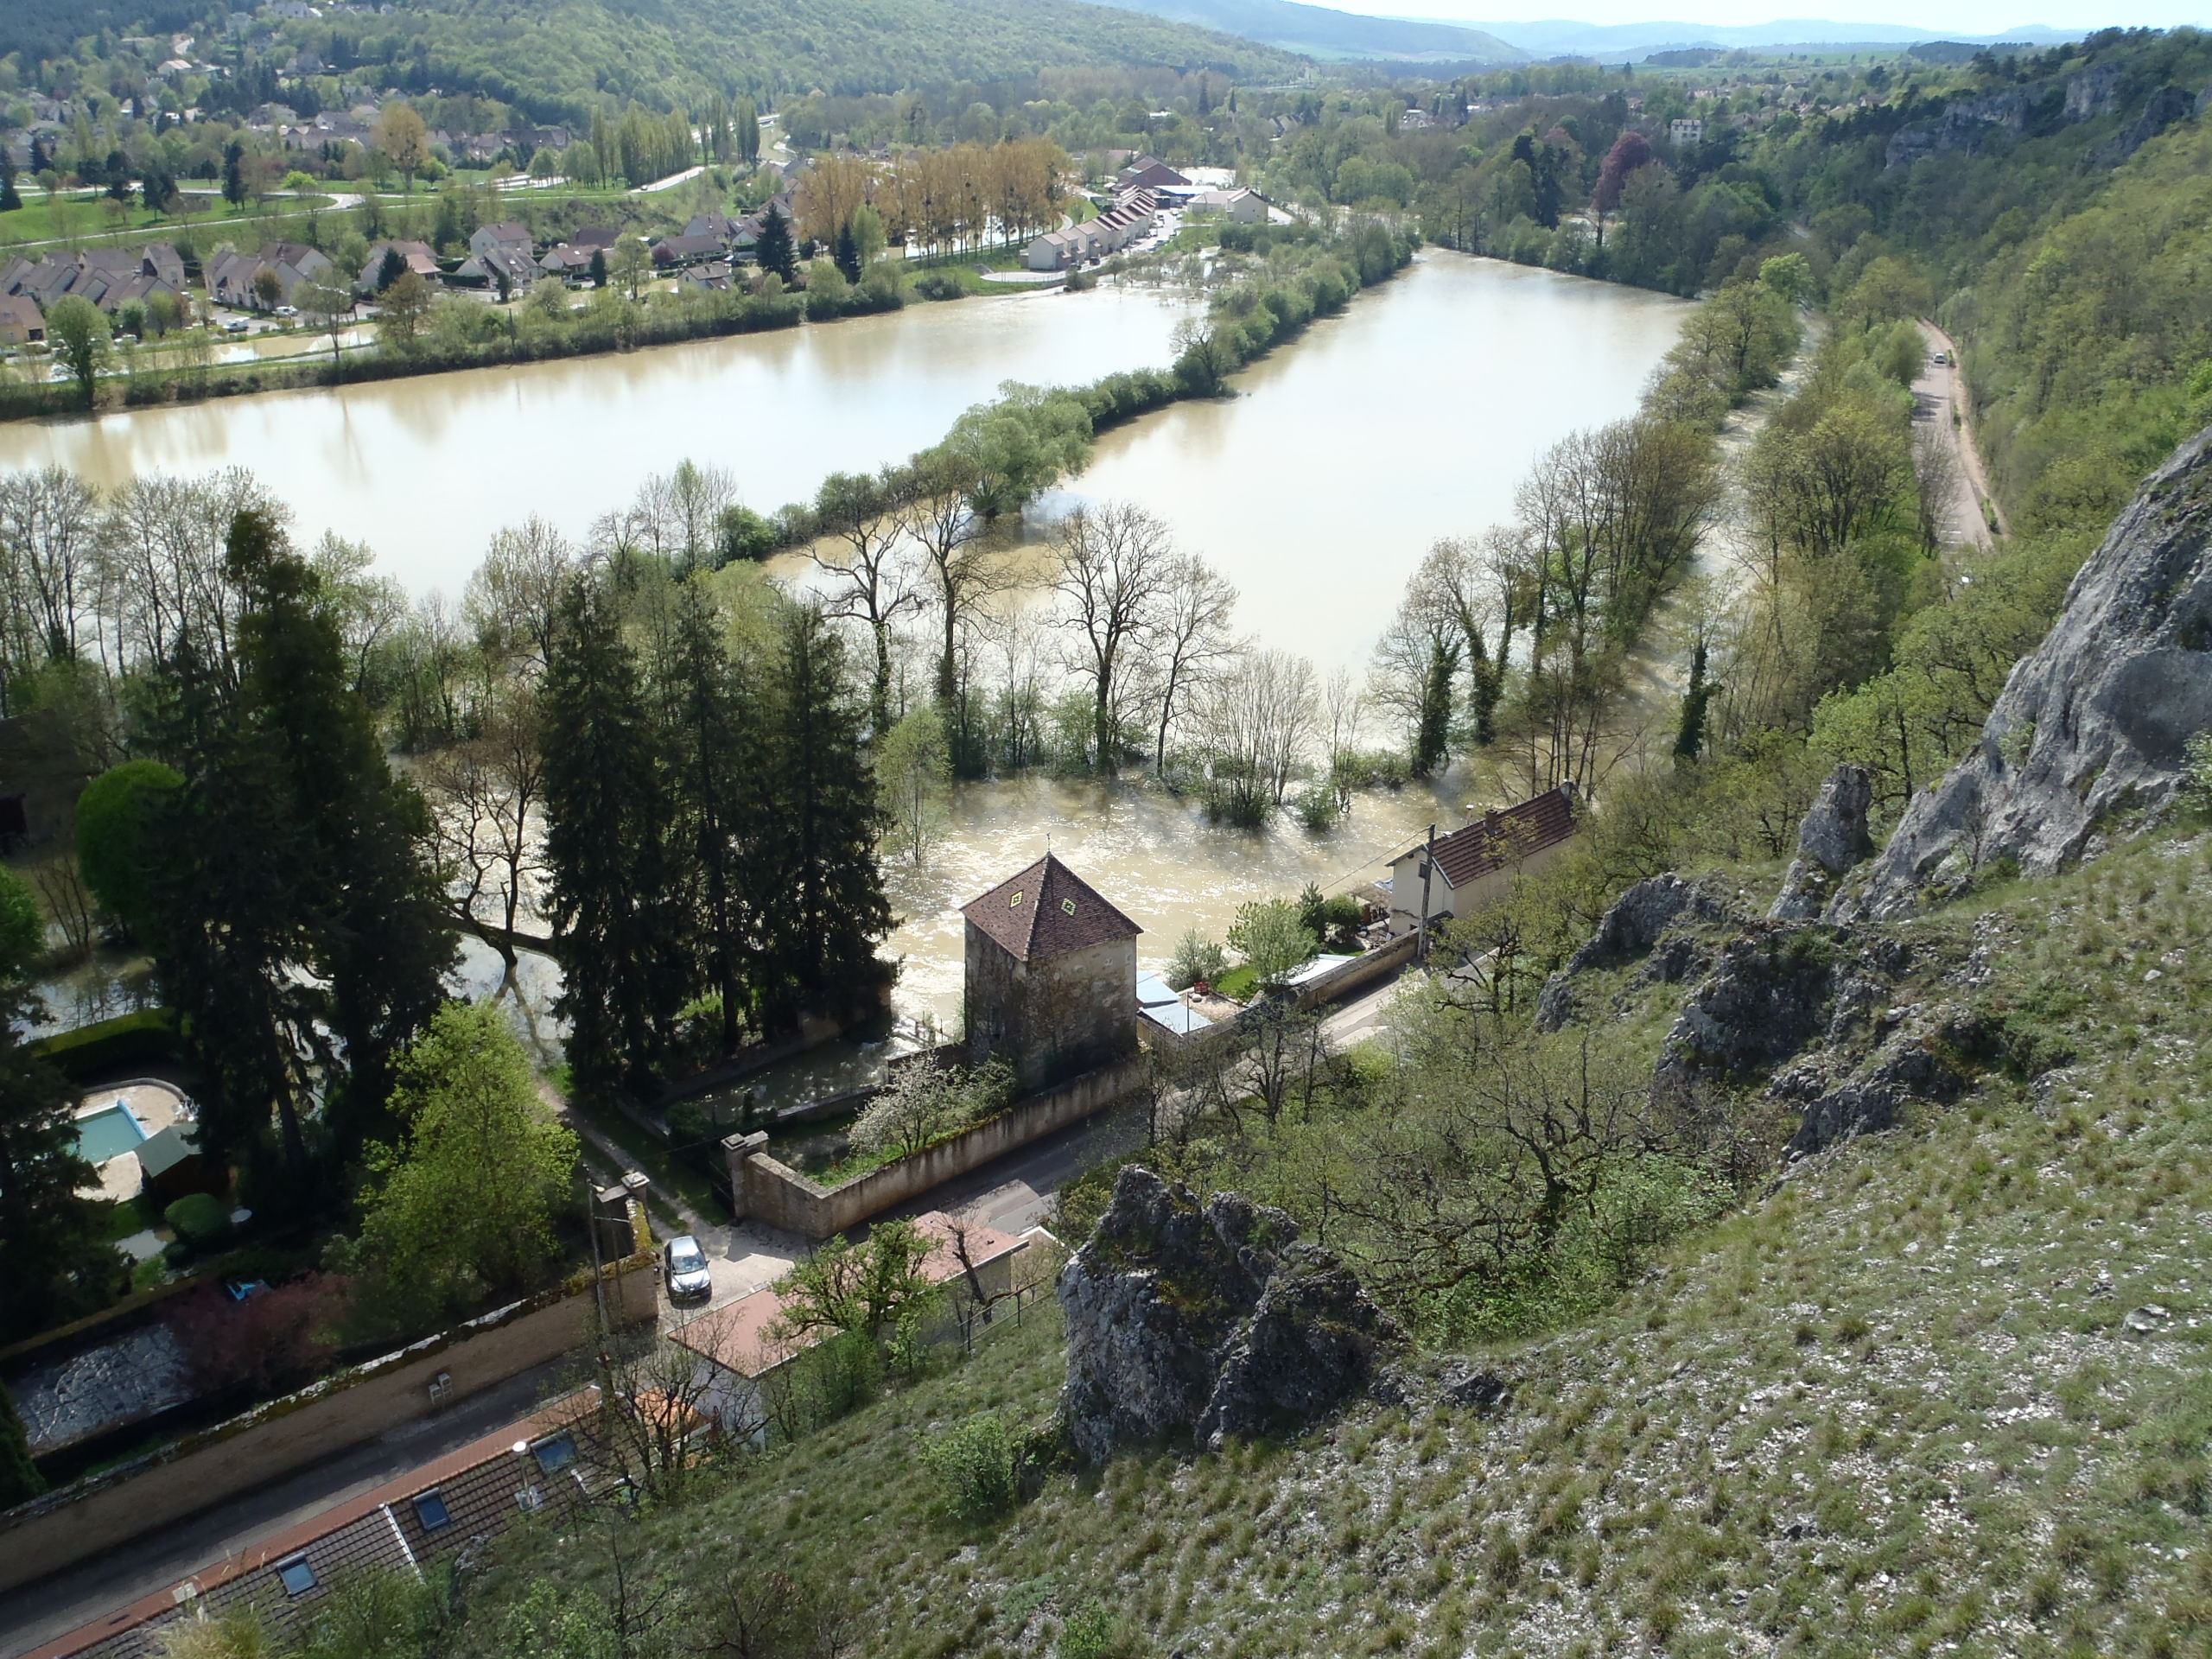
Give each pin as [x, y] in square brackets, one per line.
[555, 1452]
[430, 1509]
[297, 1576]
[1068, 905]
[1014, 903]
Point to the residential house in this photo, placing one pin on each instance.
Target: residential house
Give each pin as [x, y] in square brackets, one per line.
[672, 251]
[1050, 975]
[1132, 215]
[568, 261]
[711, 277]
[22, 323]
[415, 256]
[1474, 864]
[1238, 206]
[231, 276]
[1147, 172]
[743, 1343]
[720, 227]
[501, 264]
[429, 1515]
[506, 234]
[1691, 131]
[109, 277]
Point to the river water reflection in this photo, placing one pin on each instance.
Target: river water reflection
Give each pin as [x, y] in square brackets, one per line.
[426, 470]
[1315, 490]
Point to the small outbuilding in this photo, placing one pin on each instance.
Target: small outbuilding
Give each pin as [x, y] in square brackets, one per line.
[1051, 976]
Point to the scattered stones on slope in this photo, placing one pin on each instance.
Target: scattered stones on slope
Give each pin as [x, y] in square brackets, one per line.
[1831, 840]
[1212, 1319]
[2088, 735]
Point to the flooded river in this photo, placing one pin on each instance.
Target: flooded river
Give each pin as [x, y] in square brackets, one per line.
[1316, 490]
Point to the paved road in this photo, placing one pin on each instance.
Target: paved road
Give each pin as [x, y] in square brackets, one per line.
[39, 1612]
[1938, 395]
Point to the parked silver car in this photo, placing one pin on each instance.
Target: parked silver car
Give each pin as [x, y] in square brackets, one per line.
[685, 1270]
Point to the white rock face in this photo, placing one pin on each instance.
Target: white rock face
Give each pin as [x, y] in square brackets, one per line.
[2088, 733]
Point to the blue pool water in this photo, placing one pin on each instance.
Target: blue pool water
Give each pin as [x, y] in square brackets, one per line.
[108, 1133]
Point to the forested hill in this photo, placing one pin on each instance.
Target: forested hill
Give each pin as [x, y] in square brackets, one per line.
[1337, 34]
[555, 57]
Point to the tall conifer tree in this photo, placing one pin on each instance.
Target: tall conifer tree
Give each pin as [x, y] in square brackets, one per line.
[617, 916]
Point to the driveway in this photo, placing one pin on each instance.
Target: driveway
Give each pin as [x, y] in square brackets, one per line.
[1939, 407]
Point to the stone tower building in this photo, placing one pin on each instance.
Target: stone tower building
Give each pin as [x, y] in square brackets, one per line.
[1052, 981]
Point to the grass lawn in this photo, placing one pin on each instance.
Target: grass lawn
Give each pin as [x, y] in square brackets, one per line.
[1238, 984]
[88, 220]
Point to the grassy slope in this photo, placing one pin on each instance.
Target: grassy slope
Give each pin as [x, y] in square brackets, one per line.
[1891, 1408]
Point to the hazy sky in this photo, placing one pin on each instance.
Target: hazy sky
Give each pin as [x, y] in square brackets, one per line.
[1958, 16]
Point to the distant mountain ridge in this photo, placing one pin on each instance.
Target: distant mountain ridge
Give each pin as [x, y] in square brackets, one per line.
[1319, 32]
[1618, 43]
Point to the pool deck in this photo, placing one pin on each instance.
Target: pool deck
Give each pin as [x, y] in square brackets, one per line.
[155, 1105]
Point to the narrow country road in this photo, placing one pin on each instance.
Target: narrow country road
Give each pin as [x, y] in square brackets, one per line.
[1939, 404]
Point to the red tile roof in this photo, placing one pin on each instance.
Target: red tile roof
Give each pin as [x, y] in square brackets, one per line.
[1047, 911]
[1500, 839]
[479, 1485]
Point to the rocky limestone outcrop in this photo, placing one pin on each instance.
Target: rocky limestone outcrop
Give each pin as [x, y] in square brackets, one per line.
[2089, 730]
[1642, 922]
[1831, 841]
[1207, 1318]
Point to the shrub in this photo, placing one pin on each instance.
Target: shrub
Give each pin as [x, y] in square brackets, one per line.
[978, 1468]
[1196, 958]
[198, 1219]
[1090, 1632]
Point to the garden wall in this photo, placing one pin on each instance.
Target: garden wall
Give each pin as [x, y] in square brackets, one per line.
[78, 1522]
[1360, 972]
[762, 1187]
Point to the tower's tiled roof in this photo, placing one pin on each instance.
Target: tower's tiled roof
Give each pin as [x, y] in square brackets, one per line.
[1047, 911]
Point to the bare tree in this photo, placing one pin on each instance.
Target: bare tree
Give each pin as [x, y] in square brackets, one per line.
[48, 534]
[939, 517]
[1188, 643]
[873, 583]
[163, 544]
[1260, 722]
[1345, 709]
[482, 795]
[513, 598]
[1113, 565]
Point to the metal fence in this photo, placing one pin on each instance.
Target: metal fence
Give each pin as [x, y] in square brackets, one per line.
[1001, 1312]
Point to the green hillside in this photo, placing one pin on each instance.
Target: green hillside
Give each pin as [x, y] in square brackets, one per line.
[1336, 35]
[557, 55]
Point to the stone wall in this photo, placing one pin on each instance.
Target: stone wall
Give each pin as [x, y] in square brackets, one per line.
[765, 1189]
[1057, 1016]
[78, 1522]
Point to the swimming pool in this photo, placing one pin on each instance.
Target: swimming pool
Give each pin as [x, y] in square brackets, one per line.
[109, 1133]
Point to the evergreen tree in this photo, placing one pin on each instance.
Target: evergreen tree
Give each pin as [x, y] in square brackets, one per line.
[1689, 737]
[774, 250]
[845, 253]
[748, 130]
[824, 901]
[1432, 735]
[599, 267]
[234, 173]
[616, 923]
[53, 1264]
[10, 199]
[290, 907]
[717, 756]
[390, 269]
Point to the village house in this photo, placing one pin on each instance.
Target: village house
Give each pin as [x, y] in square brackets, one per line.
[672, 251]
[713, 276]
[1051, 976]
[1690, 132]
[1474, 864]
[1239, 207]
[1147, 172]
[231, 277]
[501, 264]
[109, 277]
[505, 234]
[21, 323]
[415, 256]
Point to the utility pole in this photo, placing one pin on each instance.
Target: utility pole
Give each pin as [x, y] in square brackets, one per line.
[1428, 864]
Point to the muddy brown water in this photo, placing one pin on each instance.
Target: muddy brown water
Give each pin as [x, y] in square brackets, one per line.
[1315, 489]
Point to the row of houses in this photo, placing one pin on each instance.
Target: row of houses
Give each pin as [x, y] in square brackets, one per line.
[1133, 214]
[109, 277]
